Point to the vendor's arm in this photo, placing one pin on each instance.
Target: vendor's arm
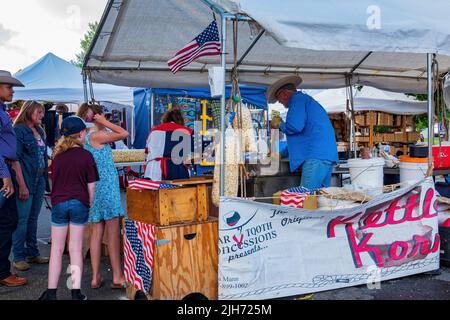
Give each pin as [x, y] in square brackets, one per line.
[296, 118]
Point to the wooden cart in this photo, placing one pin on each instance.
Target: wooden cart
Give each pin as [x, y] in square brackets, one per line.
[186, 239]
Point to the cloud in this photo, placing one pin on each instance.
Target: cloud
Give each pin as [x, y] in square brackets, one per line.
[88, 9]
[46, 26]
[5, 34]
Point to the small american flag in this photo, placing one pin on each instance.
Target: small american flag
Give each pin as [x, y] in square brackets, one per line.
[206, 44]
[144, 184]
[294, 197]
[139, 243]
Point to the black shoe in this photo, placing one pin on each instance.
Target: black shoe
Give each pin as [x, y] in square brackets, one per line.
[48, 295]
[77, 295]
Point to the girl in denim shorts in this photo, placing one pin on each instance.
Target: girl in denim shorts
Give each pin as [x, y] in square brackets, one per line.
[73, 174]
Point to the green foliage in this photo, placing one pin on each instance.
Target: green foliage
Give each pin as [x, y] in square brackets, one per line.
[418, 97]
[421, 122]
[381, 129]
[85, 44]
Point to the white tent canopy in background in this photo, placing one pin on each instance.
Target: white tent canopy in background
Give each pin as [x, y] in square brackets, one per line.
[138, 37]
[371, 99]
[56, 80]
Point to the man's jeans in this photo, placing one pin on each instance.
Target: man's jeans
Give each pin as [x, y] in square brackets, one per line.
[8, 223]
[316, 174]
[25, 236]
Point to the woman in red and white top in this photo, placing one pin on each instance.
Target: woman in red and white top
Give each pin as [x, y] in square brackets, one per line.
[169, 145]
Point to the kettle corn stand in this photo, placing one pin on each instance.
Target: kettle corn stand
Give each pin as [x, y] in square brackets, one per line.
[402, 64]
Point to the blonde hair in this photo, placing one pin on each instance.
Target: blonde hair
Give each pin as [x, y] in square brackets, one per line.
[66, 143]
[26, 112]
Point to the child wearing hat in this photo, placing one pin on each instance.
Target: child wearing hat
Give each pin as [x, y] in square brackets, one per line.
[73, 174]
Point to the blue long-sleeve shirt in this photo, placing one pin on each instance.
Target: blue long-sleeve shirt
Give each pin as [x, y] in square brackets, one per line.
[309, 132]
[8, 143]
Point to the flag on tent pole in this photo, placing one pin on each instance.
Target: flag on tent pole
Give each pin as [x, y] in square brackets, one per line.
[205, 44]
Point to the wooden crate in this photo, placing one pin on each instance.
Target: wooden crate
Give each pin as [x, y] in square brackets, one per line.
[360, 119]
[185, 262]
[168, 206]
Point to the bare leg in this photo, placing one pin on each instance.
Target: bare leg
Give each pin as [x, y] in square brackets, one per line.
[76, 255]
[113, 227]
[96, 252]
[59, 235]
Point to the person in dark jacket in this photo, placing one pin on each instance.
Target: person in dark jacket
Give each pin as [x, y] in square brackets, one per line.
[8, 210]
[32, 180]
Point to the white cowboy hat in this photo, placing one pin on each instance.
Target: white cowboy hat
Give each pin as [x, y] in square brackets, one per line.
[7, 78]
[272, 91]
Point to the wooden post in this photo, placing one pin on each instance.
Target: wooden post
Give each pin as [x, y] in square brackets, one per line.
[371, 133]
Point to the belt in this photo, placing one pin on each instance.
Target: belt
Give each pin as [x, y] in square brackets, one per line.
[163, 161]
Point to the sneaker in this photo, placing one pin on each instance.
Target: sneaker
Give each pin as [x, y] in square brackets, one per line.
[48, 295]
[39, 260]
[78, 296]
[22, 265]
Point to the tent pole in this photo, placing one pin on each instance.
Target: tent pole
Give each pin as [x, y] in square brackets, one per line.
[223, 106]
[152, 110]
[352, 116]
[250, 47]
[430, 109]
[85, 90]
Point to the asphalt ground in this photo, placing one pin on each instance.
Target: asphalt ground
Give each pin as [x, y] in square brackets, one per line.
[417, 287]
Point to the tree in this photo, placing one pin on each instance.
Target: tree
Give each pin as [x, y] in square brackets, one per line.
[85, 44]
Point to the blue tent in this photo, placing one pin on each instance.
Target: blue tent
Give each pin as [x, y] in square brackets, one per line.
[142, 101]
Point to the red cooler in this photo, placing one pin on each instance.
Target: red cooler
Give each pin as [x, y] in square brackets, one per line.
[441, 155]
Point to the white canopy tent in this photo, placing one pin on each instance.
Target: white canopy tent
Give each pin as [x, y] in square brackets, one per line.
[387, 44]
[370, 99]
[54, 79]
[137, 38]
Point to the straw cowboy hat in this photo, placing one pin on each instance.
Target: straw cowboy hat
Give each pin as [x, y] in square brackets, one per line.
[7, 78]
[271, 93]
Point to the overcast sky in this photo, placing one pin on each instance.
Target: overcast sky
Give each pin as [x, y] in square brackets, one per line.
[31, 28]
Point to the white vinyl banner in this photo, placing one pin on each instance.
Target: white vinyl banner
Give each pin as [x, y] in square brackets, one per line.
[269, 251]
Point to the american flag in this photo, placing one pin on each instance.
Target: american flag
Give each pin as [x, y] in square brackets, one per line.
[144, 184]
[206, 44]
[139, 243]
[294, 197]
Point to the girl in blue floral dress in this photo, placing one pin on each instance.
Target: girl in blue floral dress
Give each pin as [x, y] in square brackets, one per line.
[107, 208]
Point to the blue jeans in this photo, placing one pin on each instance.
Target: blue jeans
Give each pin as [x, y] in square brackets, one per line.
[316, 174]
[25, 236]
[72, 212]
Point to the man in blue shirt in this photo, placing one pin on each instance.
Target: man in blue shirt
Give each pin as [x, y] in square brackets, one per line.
[8, 211]
[310, 134]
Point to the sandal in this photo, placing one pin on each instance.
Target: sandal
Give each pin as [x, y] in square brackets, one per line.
[100, 284]
[119, 286]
